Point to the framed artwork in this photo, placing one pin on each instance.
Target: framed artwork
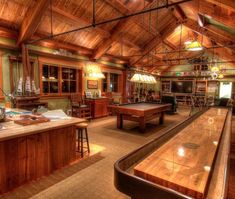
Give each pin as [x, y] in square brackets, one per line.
[92, 84]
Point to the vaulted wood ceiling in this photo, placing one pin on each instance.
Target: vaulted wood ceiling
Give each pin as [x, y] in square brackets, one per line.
[154, 40]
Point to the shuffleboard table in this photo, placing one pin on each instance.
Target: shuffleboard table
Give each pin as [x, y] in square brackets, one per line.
[140, 112]
[190, 160]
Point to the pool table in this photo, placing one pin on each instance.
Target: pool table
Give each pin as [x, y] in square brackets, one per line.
[140, 112]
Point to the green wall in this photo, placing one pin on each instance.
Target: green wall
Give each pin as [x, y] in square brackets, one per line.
[53, 103]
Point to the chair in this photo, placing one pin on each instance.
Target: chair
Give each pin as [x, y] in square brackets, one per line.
[210, 100]
[171, 100]
[81, 138]
[192, 105]
[223, 101]
[109, 95]
[200, 101]
[79, 108]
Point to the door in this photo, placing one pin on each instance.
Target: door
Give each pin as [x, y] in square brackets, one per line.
[225, 90]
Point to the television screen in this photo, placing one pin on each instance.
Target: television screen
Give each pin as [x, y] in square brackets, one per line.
[182, 86]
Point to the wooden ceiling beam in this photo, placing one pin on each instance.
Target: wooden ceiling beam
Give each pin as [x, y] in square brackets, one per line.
[120, 59]
[193, 25]
[66, 46]
[169, 44]
[105, 34]
[221, 33]
[149, 1]
[222, 17]
[227, 4]
[31, 21]
[6, 33]
[54, 44]
[106, 44]
[178, 13]
[154, 42]
[119, 6]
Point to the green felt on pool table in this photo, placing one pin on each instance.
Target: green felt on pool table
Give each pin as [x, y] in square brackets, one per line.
[141, 106]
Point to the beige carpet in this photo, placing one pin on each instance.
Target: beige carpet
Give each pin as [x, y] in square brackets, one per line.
[93, 177]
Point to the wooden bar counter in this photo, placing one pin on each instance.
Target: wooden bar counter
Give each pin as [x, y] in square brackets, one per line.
[29, 152]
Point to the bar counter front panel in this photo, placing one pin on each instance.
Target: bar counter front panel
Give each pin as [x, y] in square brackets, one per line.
[188, 161]
[30, 152]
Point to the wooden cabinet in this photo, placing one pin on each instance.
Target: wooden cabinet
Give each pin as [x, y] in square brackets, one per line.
[201, 87]
[99, 107]
[28, 103]
[166, 86]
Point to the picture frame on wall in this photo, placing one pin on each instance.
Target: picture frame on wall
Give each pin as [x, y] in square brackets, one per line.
[92, 84]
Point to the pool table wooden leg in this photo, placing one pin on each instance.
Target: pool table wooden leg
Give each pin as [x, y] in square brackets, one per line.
[142, 123]
[161, 118]
[119, 121]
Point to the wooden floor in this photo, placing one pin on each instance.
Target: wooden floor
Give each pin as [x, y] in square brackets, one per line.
[231, 194]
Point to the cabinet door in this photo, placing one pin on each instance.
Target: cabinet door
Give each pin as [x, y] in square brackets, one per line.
[101, 109]
[13, 161]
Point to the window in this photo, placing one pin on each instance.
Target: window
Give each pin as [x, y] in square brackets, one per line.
[113, 82]
[50, 79]
[69, 80]
[105, 82]
[58, 79]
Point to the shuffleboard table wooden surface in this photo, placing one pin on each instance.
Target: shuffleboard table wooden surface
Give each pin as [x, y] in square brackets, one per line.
[140, 112]
[184, 163]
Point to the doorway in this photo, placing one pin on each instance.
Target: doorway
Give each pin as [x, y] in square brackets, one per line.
[225, 90]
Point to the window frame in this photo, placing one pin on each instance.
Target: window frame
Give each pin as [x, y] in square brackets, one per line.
[71, 65]
[117, 82]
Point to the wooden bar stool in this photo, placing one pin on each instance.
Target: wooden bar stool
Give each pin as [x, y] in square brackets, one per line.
[81, 138]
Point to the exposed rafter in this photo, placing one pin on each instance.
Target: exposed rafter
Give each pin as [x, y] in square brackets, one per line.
[215, 12]
[193, 25]
[154, 42]
[32, 20]
[178, 13]
[105, 45]
[228, 4]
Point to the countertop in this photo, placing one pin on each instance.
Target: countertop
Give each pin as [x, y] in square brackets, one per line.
[12, 130]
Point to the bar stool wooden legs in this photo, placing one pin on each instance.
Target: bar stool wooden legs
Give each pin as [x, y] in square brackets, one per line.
[81, 138]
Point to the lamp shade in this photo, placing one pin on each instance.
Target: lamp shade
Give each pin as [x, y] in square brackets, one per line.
[92, 70]
[221, 76]
[142, 78]
[214, 69]
[194, 46]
